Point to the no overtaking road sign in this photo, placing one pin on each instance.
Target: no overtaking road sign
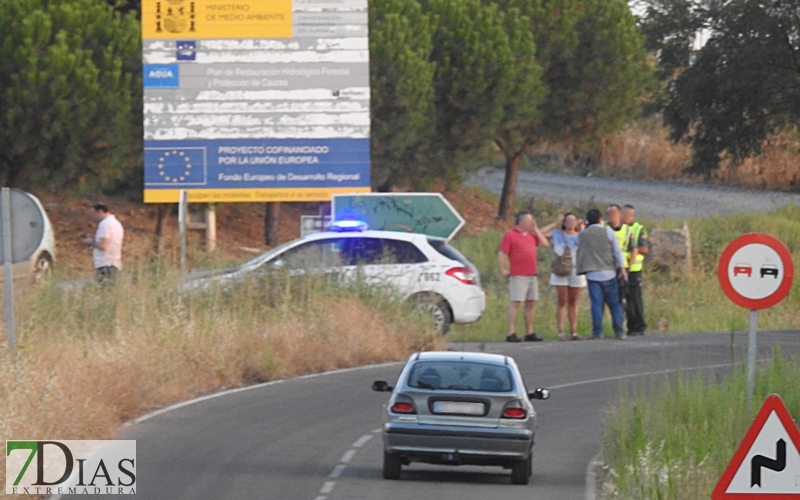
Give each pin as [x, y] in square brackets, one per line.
[756, 271]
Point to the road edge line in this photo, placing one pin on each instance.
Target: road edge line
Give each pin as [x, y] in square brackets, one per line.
[591, 478]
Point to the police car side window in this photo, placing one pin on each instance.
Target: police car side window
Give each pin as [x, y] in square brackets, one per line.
[314, 254]
[362, 251]
[402, 252]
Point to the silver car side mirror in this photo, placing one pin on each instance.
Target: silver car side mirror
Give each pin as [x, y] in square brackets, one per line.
[539, 393]
[381, 386]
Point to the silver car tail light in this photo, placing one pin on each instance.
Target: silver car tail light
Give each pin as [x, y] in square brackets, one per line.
[514, 410]
[403, 404]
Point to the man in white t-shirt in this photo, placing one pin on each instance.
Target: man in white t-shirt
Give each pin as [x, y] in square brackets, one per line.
[106, 244]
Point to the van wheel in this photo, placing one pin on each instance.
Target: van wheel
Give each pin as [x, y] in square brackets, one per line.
[437, 309]
[43, 267]
[521, 471]
[392, 465]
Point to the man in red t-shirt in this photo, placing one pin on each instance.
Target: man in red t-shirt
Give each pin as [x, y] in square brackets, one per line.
[517, 260]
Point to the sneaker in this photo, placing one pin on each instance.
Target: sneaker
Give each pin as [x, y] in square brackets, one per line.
[531, 337]
[594, 337]
[561, 336]
[513, 338]
[622, 337]
[575, 336]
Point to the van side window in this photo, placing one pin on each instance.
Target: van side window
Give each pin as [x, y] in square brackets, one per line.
[317, 254]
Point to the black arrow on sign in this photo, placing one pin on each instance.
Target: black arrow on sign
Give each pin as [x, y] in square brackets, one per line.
[760, 461]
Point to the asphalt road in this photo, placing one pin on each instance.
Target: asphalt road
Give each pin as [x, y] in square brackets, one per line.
[652, 199]
[316, 437]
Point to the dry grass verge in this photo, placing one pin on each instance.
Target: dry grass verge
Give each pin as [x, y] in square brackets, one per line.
[640, 153]
[92, 359]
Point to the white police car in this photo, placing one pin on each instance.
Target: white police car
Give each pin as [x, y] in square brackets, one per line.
[419, 268]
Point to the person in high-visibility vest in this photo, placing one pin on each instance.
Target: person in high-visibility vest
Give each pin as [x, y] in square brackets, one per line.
[639, 246]
[623, 233]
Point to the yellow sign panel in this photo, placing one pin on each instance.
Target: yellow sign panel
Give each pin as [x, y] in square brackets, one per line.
[215, 19]
[248, 195]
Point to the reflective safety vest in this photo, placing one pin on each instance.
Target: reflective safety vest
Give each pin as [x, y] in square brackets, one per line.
[623, 235]
[637, 232]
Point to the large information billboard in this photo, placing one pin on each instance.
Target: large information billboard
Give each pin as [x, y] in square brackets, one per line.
[255, 100]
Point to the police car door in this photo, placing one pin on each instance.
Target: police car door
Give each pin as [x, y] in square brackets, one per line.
[323, 256]
[386, 262]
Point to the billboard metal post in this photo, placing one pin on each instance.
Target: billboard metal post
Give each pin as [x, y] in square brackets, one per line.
[182, 209]
[211, 227]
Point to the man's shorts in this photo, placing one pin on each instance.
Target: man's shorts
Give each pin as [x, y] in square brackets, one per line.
[522, 288]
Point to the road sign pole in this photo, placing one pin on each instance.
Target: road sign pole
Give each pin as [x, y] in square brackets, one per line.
[751, 357]
[8, 271]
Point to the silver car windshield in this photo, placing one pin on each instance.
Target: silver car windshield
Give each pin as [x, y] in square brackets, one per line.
[461, 376]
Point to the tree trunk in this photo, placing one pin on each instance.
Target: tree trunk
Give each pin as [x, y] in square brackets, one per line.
[510, 183]
[162, 210]
[271, 215]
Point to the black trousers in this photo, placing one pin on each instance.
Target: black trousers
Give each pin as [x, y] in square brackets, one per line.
[106, 274]
[634, 304]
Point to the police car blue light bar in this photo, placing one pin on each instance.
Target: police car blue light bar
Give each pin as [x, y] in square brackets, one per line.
[348, 225]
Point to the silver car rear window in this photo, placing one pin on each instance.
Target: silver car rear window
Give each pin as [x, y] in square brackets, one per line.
[461, 376]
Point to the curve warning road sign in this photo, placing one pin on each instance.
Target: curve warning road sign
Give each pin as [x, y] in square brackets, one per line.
[767, 464]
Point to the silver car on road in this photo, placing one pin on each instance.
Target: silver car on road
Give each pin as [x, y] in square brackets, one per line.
[459, 408]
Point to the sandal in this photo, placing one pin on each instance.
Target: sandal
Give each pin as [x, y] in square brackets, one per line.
[575, 336]
[561, 336]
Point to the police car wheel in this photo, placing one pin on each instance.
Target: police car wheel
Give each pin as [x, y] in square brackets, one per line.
[438, 311]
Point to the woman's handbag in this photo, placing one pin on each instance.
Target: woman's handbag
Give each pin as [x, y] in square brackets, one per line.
[562, 264]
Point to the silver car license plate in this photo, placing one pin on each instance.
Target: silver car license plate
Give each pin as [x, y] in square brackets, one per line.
[458, 407]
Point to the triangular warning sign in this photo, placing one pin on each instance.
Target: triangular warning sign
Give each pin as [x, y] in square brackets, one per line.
[767, 463]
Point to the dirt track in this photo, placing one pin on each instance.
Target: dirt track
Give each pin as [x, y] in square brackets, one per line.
[652, 199]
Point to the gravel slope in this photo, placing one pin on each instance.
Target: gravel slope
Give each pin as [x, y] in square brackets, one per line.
[652, 199]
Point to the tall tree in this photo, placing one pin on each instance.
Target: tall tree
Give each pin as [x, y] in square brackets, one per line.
[741, 86]
[70, 94]
[401, 79]
[594, 72]
[487, 78]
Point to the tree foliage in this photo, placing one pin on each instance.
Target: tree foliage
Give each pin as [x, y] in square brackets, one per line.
[594, 73]
[741, 86]
[448, 78]
[486, 76]
[70, 94]
[401, 79]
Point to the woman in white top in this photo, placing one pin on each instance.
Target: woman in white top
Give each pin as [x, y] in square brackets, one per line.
[568, 288]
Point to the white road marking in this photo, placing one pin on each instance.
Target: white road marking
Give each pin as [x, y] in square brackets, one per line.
[362, 441]
[321, 498]
[375, 431]
[644, 374]
[348, 455]
[327, 487]
[337, 471]
[591, 478]
[251, 387]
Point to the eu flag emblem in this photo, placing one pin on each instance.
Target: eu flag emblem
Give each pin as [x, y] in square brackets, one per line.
[175, 166]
